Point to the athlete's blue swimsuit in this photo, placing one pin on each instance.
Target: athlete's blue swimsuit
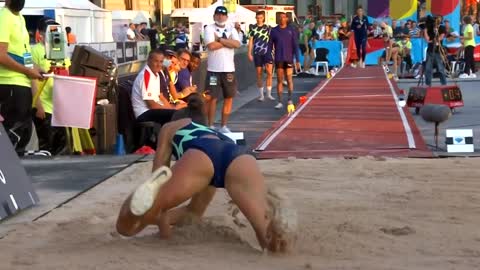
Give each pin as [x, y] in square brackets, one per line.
[221, 151]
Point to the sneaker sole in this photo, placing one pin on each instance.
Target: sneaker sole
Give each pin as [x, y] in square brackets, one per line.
[145, 195]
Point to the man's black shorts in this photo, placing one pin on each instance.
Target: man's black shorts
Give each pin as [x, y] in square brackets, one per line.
[283, 65]
[303, 49]
[221, 83]
[262, 60]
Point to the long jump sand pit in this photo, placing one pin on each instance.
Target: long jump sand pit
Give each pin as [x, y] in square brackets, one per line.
[353, 214]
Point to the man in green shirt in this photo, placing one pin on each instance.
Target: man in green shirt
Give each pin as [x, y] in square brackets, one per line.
[16, 72]
[306, 47]
[52, 139]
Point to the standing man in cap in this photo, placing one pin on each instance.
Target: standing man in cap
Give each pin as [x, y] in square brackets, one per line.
[221, 40]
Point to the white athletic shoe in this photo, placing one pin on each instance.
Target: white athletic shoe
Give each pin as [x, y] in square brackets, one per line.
[353, 65]
[261, 98]
[213, 127]
[145, 195]
[270, 97]
[279, 106]
[224, 129]
[464, 76]
[473, 76]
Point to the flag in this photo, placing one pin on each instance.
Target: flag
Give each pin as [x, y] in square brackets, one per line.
[73, 101]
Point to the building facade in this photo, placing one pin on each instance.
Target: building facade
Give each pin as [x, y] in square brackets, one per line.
[315, 7]
[149, 4]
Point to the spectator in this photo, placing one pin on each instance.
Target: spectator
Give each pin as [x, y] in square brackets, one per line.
[170, 74]
[469, 43]
[404, 51]
[407, 28]
[221, 40]
[450, 32]
[415, 31]
[181, 39]
[306, 46]
[320, 30]
[386, 29]
[151, 34]
[149, 105]
[240, 32]
[397, 30]
[138, 31]
[194, 64]
[376, 30]
[344, 33]
[52, 139]
[329, 34]
[130, 32]
[16, 72]
[183, 86]
[71, 38]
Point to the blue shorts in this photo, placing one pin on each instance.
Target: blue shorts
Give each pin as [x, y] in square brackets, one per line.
[221, 153]
[262, 60]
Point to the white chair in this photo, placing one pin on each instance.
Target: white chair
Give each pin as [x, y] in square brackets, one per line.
[324, 66]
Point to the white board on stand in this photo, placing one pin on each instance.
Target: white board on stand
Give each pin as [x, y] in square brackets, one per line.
[460, 141]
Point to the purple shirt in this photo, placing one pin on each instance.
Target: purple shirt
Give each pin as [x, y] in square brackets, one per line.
[284, 42]
[183, 81]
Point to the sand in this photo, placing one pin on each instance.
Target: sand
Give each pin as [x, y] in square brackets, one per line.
[353, 214]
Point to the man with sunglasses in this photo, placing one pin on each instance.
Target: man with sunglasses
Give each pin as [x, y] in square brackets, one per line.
[221, 40]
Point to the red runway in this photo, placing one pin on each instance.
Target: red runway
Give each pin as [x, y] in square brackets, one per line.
[353, 114]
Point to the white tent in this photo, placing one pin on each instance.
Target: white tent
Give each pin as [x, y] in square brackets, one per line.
[90, 23]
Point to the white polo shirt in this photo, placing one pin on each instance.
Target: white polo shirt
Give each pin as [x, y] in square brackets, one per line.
[145, 87]
[221, 60]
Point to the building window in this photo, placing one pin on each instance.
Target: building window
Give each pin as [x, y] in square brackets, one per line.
[128, 5]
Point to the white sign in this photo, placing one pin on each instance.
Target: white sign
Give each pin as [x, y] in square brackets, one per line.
[2, 178]
[460, 141]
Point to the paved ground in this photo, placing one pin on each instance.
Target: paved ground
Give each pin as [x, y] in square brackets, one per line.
[61, 179]
[467, 117]
[58, 180]
[254, 117]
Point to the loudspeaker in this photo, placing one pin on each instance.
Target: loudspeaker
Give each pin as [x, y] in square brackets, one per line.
[88, 57]
[16, 189]
[102, 76]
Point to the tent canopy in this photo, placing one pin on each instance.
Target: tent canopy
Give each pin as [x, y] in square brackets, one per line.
[66, 4]
[90, 23]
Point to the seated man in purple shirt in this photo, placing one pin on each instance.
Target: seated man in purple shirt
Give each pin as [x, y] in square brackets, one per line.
[184, 85]
[284, 44]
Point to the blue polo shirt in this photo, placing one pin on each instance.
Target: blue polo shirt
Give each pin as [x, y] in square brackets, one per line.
[183, 81]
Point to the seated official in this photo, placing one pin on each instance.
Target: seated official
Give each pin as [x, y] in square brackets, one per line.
[184, 85]
[149, 105]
